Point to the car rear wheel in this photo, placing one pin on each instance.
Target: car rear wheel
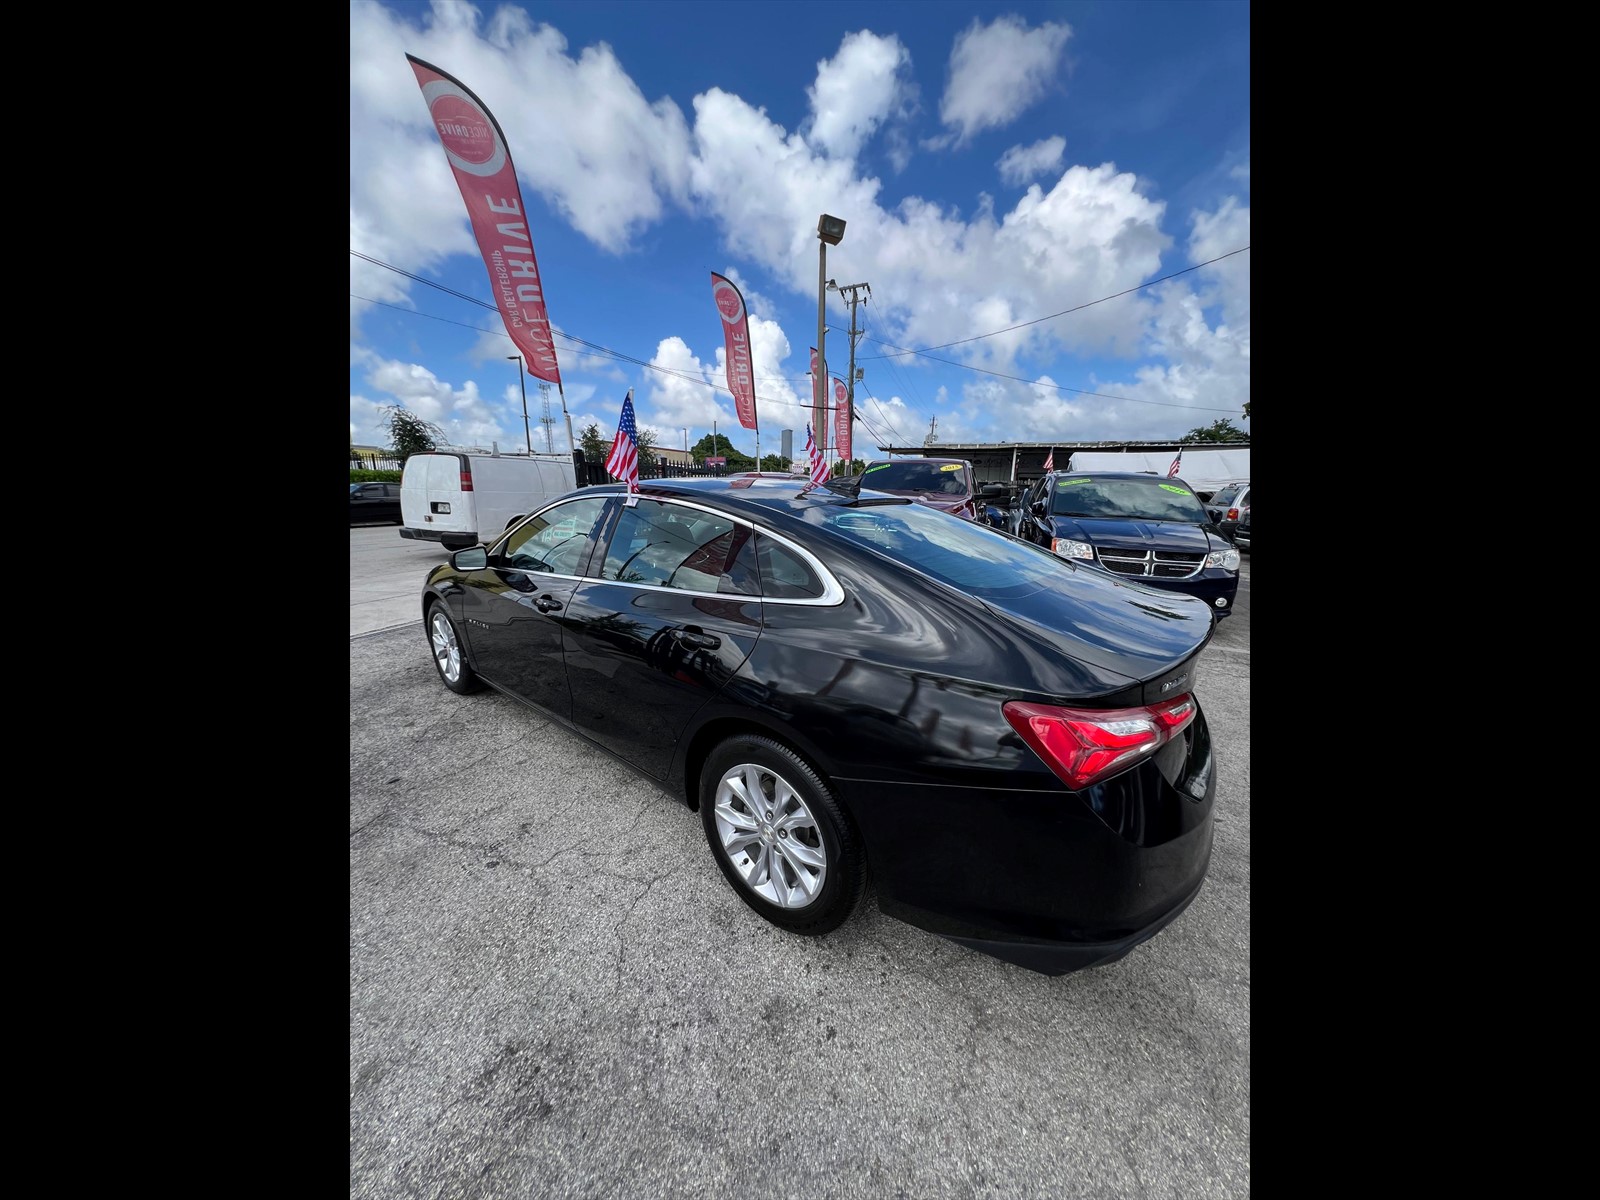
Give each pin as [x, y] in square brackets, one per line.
[779, 835]
[448, 656]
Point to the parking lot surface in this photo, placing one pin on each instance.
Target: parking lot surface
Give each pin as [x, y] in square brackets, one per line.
[555, 993]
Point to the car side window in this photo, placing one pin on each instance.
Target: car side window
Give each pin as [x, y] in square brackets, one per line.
[1223, 498]
[557, 540]
[669, 545]
[785, 575]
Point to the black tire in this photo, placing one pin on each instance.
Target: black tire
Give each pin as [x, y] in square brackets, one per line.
[466, 681]
[845, 864]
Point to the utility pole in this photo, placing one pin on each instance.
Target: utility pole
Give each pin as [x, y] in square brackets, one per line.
[933, 435]
[851, 292]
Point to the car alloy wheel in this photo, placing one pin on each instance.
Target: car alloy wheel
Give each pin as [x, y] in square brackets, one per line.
[448, 655]
[770, 836]
[785, 843]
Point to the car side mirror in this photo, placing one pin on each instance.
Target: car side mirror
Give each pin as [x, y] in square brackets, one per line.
[1037, 508]
[476, 558]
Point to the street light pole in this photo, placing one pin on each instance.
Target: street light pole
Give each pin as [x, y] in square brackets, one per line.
[527, 436]
[819, 382]
[830, 232]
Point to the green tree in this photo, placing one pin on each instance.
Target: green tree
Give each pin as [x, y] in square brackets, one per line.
[597, 446]
[854, 467]
[647, 444]
[709, 447]
[774, 462]
[1247, 410]
[1218, 431]
[409, 434]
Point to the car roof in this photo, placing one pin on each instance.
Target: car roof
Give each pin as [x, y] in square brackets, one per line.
[915, 458]
[751, 494]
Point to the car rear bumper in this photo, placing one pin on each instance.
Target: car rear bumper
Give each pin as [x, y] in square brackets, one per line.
[1054, 881]
[1056, 958]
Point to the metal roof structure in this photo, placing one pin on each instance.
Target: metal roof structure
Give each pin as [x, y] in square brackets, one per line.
[997, 462]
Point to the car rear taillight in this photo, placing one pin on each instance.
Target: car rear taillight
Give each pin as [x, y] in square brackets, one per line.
[1233, 514]
[466, 475]
[1085, 745]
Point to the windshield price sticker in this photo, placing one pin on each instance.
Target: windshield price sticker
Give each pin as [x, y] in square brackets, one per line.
[1169, 488]
[1066, 483]
[951, 467]
[879, 467]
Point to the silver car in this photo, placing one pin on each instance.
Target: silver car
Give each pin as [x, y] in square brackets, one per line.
[1227, 506]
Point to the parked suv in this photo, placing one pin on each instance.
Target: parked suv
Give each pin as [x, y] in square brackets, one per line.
[1143, 526]
[942, 483]
[1227, 505]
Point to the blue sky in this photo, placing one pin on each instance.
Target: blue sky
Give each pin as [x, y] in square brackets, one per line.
[996, 164]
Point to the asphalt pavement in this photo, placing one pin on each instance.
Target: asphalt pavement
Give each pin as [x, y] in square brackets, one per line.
[555, 993]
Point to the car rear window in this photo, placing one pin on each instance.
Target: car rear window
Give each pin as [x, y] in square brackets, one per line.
[963, 554]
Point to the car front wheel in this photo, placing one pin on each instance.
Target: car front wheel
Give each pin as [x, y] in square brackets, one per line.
[779, 835]
[448, 655]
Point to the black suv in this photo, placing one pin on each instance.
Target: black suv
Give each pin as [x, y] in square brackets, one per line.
[1142, 526]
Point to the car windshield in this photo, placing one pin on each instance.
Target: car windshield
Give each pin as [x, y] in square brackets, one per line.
[916, 475]
[1152, 499]
[973, 558]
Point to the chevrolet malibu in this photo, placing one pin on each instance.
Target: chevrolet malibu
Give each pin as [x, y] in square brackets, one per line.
[839, 681]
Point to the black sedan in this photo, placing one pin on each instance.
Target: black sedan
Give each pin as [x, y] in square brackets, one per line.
[374, 502]
[835, 679]
[1144, 526]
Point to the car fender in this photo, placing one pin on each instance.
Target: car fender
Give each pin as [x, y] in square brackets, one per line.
[703, 732]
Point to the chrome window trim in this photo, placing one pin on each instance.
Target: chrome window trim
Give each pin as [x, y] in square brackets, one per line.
[832, 592]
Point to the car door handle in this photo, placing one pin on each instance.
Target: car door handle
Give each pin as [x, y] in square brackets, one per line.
[698, 640]
[547, 604]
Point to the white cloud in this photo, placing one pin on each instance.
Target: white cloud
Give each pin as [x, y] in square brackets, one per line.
[936, 277]
[613, 164]
[465, 414]
[857, 89]
[580, 131]
[1021, 163]
[997, 71]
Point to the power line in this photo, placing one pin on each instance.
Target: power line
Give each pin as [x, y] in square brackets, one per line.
[593, 347]
[1077, 308]
[607, 352]
[484, 304]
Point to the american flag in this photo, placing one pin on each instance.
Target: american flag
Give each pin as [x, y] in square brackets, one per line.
[1176, 463]
[623, 462]
[819, 467]
[1050, 460]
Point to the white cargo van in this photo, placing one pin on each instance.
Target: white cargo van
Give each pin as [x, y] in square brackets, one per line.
[461, 498]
